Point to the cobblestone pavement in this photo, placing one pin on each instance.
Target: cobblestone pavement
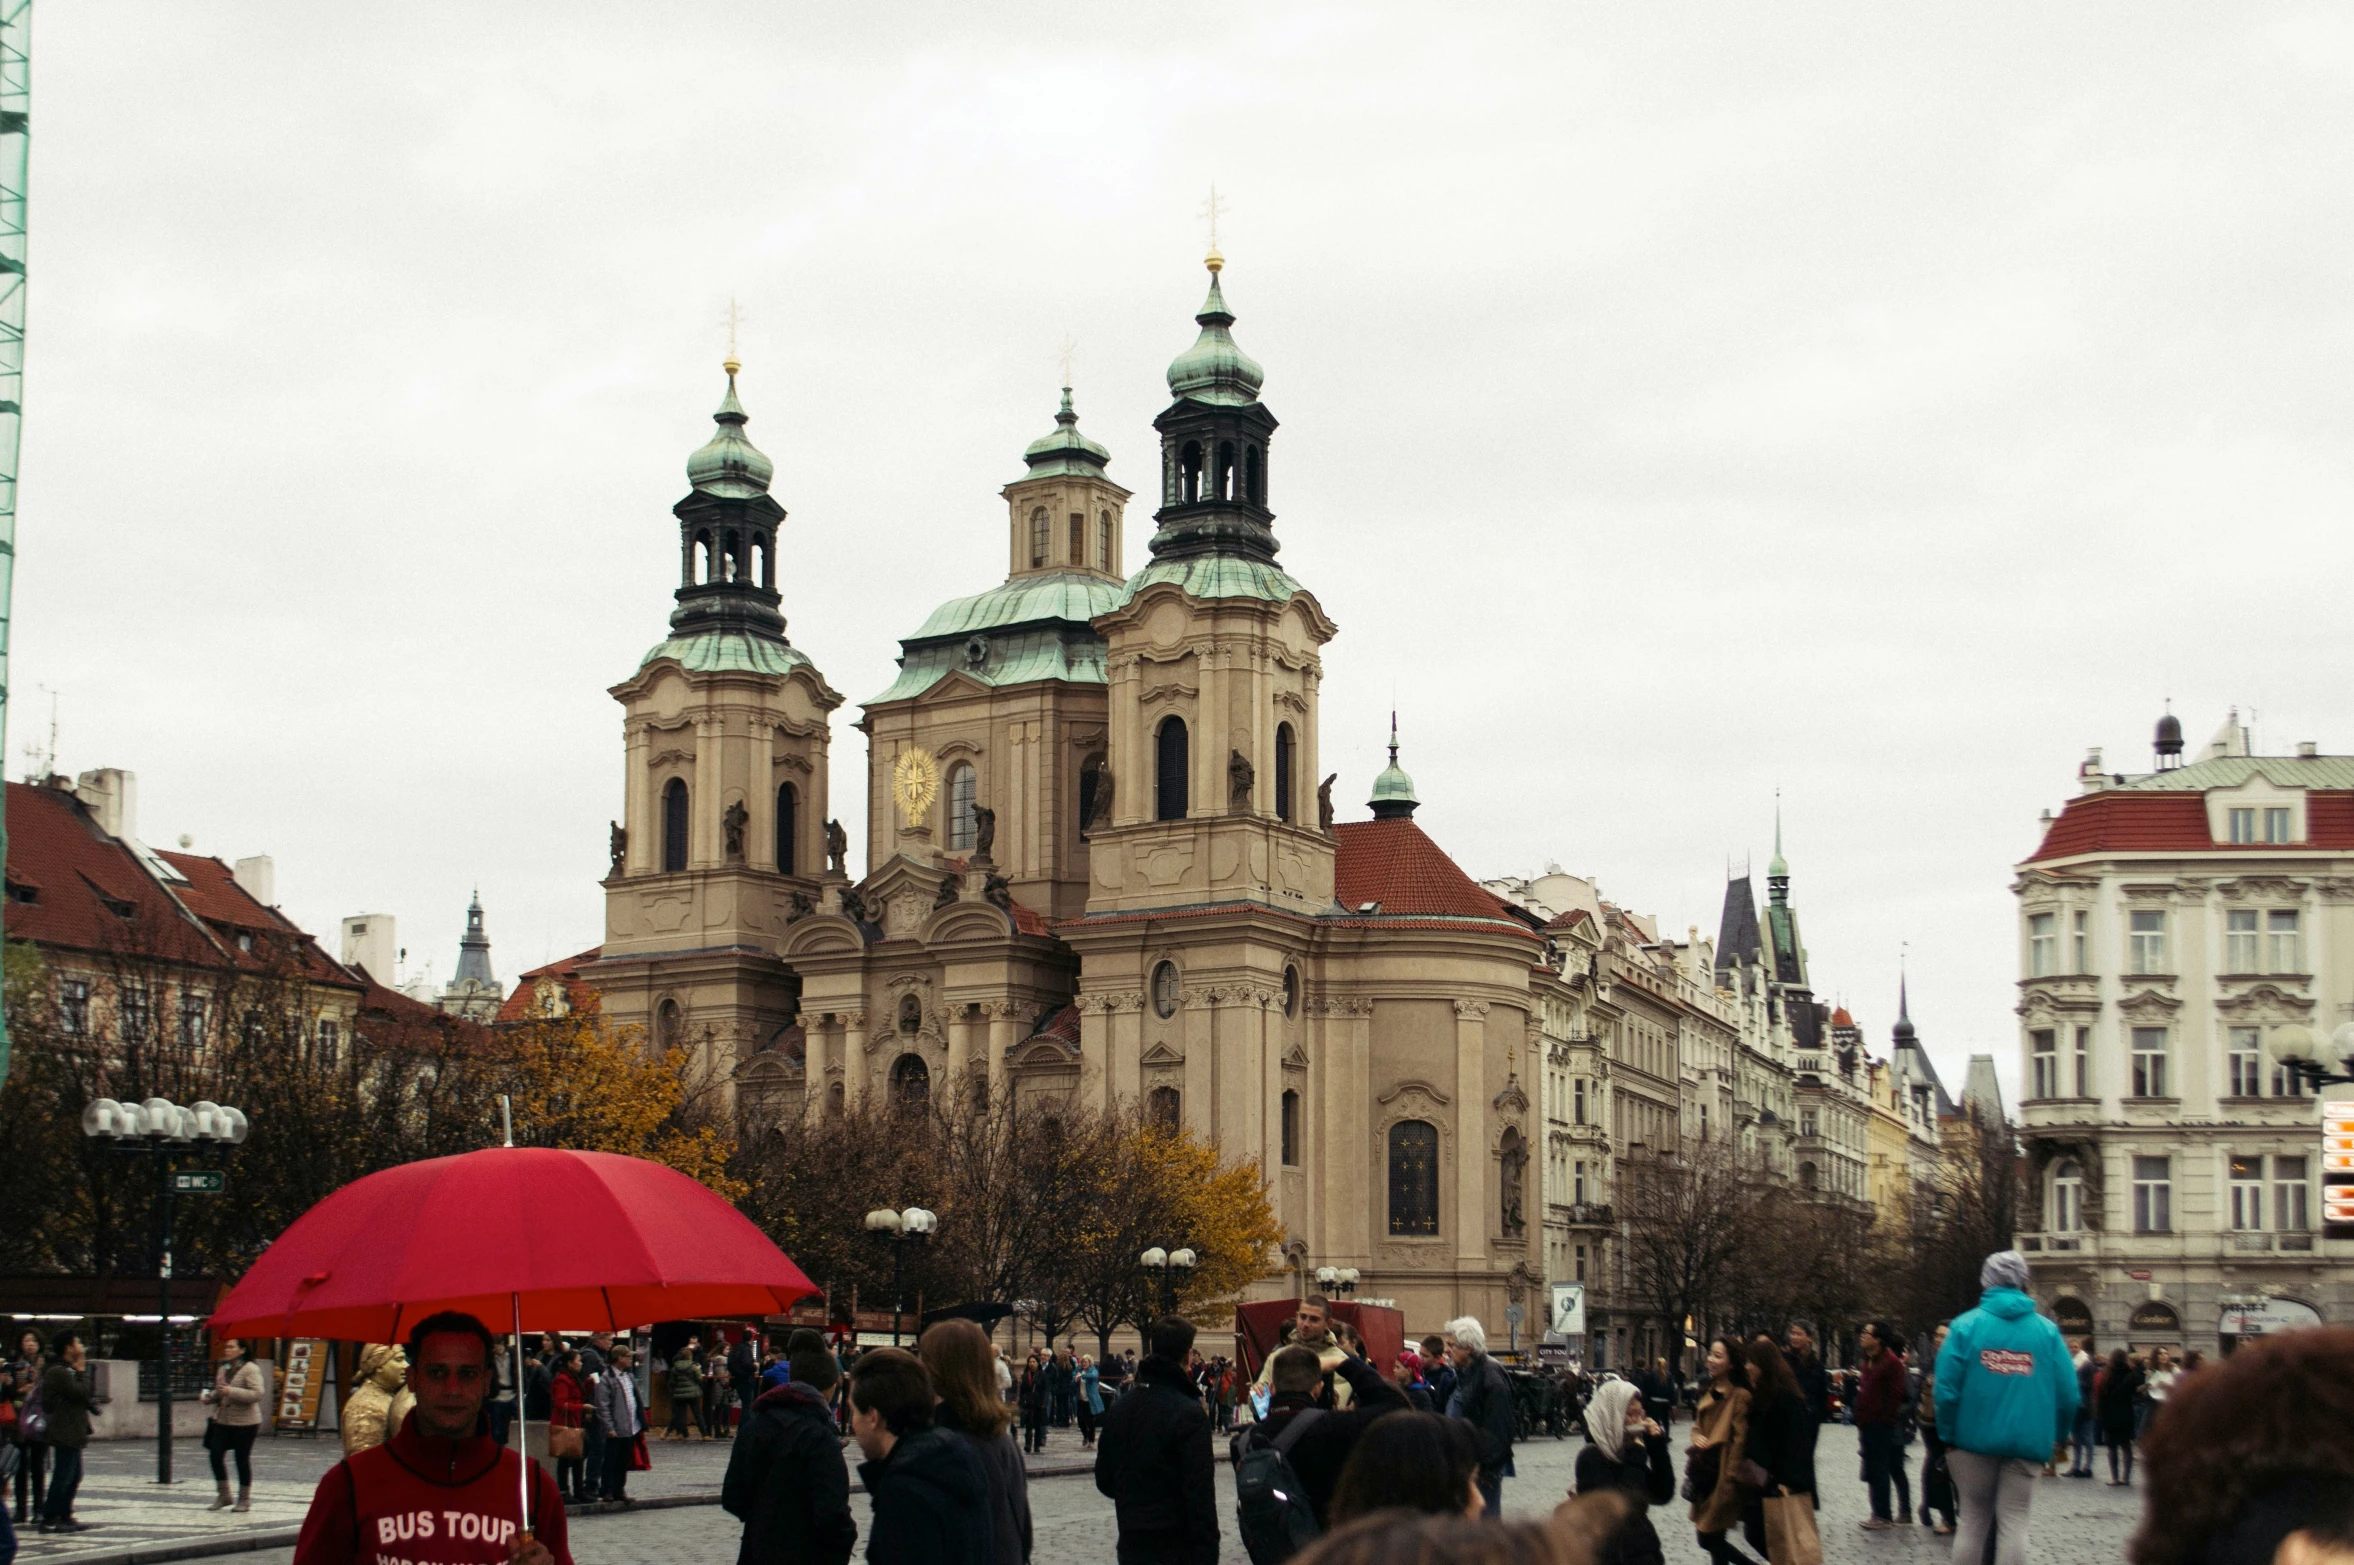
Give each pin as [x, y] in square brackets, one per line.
[2075, 1521]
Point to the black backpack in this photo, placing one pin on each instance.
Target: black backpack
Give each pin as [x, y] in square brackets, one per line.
[1271, 1508]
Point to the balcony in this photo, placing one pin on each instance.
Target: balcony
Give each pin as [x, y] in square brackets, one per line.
[2055, 1244]
[1589, 1214]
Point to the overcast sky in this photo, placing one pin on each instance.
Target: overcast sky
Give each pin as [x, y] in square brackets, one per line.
[1878, 403]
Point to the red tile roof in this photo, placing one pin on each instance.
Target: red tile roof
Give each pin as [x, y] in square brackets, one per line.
[86, 891]
[1395, 863]
[261, 936]
[579, 993]
[2147, 821]
[1029, 921]
[392, 1020]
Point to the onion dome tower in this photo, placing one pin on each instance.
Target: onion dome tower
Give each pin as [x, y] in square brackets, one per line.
[2169, 740]
[727, 527]
[1214, 439]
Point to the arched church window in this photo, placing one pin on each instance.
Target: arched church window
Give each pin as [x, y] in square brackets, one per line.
[1223, 486]
[1171, 758]
[963, 828]
[911, 1082]
[1253, 476]
[674, 825]
[1806, 1176]
[1041, 537]
[1283, 770]
[787, 824]
[1291, 991]
[1512, 1160]
[666, 1023]
[911, 1015]
[1414, 1178]
[734, 557]
[1165, 1108]
[1164, 990]
[1291, 1129]
[1078, 537]
[1189, 472]
[1103, 541]
[702, 558]
[1090, 790]
[759, 573]
[834, 1100]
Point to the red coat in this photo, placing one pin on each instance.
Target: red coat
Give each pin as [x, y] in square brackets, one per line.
[418, 1500]
[1880, 1398]
[566, 1400]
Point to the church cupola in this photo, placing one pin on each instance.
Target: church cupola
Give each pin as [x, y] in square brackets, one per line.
[1066, 513]
[1393, 791]
[1214, 440]
[727, 527]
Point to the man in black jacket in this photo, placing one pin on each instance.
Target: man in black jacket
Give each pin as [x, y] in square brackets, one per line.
[1487, 1406]
[786, 1480]
[1321, 1450]
[928, 1487]
[1154, 1461]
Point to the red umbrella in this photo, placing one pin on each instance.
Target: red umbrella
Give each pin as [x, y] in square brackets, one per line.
[533, 1238]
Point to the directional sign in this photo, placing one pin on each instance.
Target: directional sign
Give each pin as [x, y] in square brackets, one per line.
[209, 1181]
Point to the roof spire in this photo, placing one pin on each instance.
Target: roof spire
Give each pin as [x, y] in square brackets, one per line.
[1904, 1010]
[1393, 791]
[728, 464]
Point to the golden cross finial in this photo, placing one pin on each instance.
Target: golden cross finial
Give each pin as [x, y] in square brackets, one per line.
[1068, 352]
[1210, 212]
[733, 319]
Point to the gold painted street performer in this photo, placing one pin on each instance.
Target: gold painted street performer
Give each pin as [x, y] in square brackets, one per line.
[439, 1491]
[381, 1399]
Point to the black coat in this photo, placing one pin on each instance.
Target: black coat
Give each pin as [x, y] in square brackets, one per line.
[1009, 1486]
[1323, 1448]
[1814, 1387]
[787, 1483]
[1782, 1441]
[1646, 1474]
[1153, 1460]
[2117, 1397]
[931, 1503]
[1488, 1408]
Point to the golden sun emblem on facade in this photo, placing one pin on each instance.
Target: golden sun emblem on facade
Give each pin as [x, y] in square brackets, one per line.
[915, 783]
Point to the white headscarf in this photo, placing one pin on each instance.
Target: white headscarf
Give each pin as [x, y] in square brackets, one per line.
[1606, 1416]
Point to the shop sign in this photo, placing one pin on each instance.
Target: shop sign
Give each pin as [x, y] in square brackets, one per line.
[2154, 1316]
[2074, 1316]
[2337, 1168]
[2265, 1316]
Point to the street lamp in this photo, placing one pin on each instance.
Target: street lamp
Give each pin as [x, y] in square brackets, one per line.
[2295, 1050]
[161, 1127]
[899, 1230]
[1339, 1281]
[1171, 1269]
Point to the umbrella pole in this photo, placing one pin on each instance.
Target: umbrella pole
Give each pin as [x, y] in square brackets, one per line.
[522, 1421]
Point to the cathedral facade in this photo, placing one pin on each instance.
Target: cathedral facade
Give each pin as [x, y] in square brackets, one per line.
[1101, 866]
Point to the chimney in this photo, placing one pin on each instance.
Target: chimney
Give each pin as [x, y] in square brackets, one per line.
[2307, 749]
[2089, 777]
[259, 876]
[112, 797]
[368, 942]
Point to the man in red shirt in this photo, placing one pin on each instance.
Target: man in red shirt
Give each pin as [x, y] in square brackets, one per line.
[1879, 1425]
[439, 1491]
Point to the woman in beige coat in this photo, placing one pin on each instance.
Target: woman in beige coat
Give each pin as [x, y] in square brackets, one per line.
[236, 1402]
[1720, 1425]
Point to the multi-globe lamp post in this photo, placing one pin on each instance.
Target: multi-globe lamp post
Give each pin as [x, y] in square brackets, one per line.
[899, 1230]
[1170, 1269]
[161, 1128]
[1337, 1282]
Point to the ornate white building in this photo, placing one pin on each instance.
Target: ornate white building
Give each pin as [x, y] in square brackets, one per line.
[2169, 923]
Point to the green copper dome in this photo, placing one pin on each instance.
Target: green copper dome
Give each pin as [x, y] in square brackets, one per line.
[729, 465]
[1393, 791]
[1214, 370]
[1065, 453]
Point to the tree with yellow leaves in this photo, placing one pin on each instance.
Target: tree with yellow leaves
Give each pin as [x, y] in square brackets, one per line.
[576, 1080]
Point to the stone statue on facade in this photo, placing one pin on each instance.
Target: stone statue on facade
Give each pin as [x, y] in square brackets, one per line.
[617, 844]
[1239, 777]
[946, 894]
[998, 892]
[1324, 804]
[1515, 1161]
[853, 905]
[799, 906]
[837, 849]
[1101, 814]
[733, 823]
[984, 832]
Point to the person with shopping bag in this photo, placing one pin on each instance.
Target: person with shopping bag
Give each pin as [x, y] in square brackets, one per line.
[1778, 1511]
[567, 1419]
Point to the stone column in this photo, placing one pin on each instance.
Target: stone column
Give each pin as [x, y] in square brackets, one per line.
[854, 1069]
[960, 1051]
[1471, 1133]
[703, 845]
[813, 1065]
[1095, 1051]
[1001, 1014]
[642, 854]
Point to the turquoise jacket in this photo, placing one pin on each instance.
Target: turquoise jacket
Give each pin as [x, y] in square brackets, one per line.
[2005, 1384]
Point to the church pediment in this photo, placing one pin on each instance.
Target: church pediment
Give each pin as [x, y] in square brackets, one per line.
[821, 934]
[969, 921]
[954, 685]
[1162, 1054]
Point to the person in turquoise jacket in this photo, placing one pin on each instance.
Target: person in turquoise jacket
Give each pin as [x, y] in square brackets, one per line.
[2006, 1394]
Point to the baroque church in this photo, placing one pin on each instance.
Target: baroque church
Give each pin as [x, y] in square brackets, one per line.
[1100, 866]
